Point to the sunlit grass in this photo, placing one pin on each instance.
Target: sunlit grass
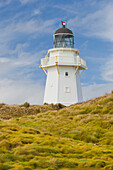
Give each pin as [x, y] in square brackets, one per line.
[53, 138]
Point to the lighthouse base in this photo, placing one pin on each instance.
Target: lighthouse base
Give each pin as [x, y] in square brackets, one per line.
[63, 86]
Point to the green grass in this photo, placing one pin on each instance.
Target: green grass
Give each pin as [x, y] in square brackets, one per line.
[76, 137]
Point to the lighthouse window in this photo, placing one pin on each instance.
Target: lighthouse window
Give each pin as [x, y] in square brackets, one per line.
[67, 89]
[64, 40]
[66, 73]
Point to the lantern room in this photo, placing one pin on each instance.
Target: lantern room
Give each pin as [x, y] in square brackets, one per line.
[63, 38]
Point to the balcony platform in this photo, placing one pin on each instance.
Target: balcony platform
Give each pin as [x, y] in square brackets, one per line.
[64, 61]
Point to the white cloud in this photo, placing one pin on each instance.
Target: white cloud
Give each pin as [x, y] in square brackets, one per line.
[67, 8]
[90, 18]
[12, 30]
[107, 70]
[18, 92]
[17, 64]
[34, 26]
[27, 27]
[20, 64]
[26, 1]
[4, 2]
[36, 12]
[20, 56]
[96, 90]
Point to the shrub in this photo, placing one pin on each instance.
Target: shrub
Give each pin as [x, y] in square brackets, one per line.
[27, 168]
[45, 103]
[63, 112]
[86, 110]
[61, 163]
[26, 104]
[111, 112]
[108, 167]
[5, 166]
[51, 168]
[70, 117]
[106, 101]
[39, 163]
[100, 164]
[91, 138]
[105, 111]
[59, 106]
[2, 104]
[18, 167]
[97, 110]
[32, 117]
[111, 121]
[37, 110]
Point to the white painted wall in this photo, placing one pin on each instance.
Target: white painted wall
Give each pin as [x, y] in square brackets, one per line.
[51, 89]
[60, 88]
[71, 82]
[63, 89]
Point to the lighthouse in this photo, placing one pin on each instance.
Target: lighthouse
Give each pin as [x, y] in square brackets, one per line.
[63, 68]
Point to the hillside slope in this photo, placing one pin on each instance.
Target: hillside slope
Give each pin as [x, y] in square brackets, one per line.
[51, 137]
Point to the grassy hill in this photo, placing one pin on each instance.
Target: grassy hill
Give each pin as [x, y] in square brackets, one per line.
[55, 137]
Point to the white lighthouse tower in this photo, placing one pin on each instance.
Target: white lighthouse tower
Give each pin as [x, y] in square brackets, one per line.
[63, 68]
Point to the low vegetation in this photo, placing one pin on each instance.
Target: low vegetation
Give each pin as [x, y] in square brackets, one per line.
[55, 137]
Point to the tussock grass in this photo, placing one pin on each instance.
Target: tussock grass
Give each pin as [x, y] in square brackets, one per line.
[55, 137]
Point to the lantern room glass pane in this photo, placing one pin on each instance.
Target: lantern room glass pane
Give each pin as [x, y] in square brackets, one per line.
[64, 41]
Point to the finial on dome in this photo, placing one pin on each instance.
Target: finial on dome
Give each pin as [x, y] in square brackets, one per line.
[63, 24]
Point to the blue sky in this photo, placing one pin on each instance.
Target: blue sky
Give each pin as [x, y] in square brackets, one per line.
[26, 34]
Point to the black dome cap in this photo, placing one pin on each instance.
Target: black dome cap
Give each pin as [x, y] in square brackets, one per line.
[63, 30]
